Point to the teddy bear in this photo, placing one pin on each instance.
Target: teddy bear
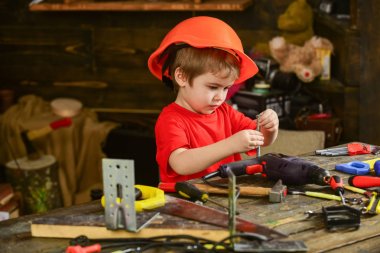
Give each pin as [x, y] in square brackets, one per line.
[296, 23]
[305, 61]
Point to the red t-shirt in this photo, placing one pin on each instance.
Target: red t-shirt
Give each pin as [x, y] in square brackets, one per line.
[177, 127]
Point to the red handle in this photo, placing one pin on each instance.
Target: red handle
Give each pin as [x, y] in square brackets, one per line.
[336, 184]
[61, 123]
[167, 187]
[79, 249]
[364, 181]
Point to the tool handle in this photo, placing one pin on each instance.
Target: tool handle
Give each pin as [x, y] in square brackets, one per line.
[243, 167]
[88, 249]
[189, 191]
[364, 181]
[244, 190]
[36, 133]
[356, 148]
[376, 168]
[336, 183]
[354, 167]
[323, 195]
[167, 187]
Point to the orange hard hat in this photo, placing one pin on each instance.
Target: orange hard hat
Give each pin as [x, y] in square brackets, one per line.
[202, 32]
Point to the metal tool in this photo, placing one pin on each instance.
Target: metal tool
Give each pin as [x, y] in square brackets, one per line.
[374, 204]
[119, 196]
[187, 209]
[276, 194]
[258, 129]
[119, 181]
[232, 196]
[352, 201]
[354, 148]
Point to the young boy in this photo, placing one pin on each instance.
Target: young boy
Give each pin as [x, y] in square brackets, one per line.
[200, 59]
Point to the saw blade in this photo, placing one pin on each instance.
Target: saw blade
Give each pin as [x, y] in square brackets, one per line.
[189, 210]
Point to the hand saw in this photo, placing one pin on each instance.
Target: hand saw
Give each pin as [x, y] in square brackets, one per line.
[189, 210]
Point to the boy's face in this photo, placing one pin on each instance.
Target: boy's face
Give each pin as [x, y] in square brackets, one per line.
[207, 92]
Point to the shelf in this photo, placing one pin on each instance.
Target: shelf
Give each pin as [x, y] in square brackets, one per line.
[139, 5]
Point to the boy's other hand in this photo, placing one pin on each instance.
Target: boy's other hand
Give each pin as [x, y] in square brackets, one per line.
[269, 120]
[245, 140]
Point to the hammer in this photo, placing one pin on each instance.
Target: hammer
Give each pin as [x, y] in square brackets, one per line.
[276, 194]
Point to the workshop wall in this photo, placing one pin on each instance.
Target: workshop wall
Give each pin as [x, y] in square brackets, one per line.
[100, 58]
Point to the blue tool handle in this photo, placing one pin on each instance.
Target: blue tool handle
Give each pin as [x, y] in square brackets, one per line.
[376, 168]
[354, 168]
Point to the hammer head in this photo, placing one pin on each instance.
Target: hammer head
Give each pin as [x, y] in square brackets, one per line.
[278, 192]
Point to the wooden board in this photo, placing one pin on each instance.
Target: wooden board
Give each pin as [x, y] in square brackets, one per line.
[206, 5]
[89, 220]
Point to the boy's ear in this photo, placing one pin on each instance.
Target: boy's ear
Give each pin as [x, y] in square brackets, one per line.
[179, 77]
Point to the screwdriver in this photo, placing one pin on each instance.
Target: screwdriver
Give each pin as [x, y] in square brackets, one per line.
[190, 191]
[336, 184]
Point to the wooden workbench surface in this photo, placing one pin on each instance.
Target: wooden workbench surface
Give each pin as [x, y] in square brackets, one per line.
[287, 217]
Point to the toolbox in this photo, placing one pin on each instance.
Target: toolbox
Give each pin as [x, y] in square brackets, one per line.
[252, 103]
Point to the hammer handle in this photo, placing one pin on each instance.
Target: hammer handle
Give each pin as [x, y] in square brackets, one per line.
[244, 190]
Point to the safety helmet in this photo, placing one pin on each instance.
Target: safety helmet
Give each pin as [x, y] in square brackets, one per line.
[202, 32]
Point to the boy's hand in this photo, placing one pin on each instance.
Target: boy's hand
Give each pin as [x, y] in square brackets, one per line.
[269, 120]
[245, 140]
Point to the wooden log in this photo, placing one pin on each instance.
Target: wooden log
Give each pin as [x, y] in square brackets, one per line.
[37, 182]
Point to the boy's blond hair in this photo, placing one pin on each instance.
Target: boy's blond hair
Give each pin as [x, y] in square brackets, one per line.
[194, 62]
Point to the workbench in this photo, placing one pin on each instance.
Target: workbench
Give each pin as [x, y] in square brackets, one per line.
[287, 217]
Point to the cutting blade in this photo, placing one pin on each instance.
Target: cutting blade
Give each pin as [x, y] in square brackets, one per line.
[189, 210]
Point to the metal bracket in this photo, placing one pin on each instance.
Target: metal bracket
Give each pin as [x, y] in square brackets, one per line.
[231, 202]
[119, 193]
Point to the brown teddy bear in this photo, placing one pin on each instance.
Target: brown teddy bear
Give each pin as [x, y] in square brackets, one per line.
[305, 61]
[296, 23]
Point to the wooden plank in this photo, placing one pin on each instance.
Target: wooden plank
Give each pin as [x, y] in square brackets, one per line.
[206, 5]
[29, 51]
[89, 220]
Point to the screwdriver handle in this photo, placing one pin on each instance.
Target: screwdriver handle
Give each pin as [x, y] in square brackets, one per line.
[189, 191]
[364, 181]
[322, 195]
[336, 184]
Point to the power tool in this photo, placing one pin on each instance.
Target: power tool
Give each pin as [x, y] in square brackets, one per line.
[291, 170]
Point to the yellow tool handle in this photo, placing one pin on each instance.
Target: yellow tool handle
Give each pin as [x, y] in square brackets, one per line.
[151, 198]
[244, 190]
[37, 133]
[371, 163]
[323, 195]
[354, 189]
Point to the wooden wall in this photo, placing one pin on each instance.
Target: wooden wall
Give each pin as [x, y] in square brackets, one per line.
[101, 57]
[369, 23]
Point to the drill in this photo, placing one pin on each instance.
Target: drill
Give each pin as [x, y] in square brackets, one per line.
[291, 170]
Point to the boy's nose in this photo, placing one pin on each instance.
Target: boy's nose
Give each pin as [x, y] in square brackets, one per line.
[220, 96]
